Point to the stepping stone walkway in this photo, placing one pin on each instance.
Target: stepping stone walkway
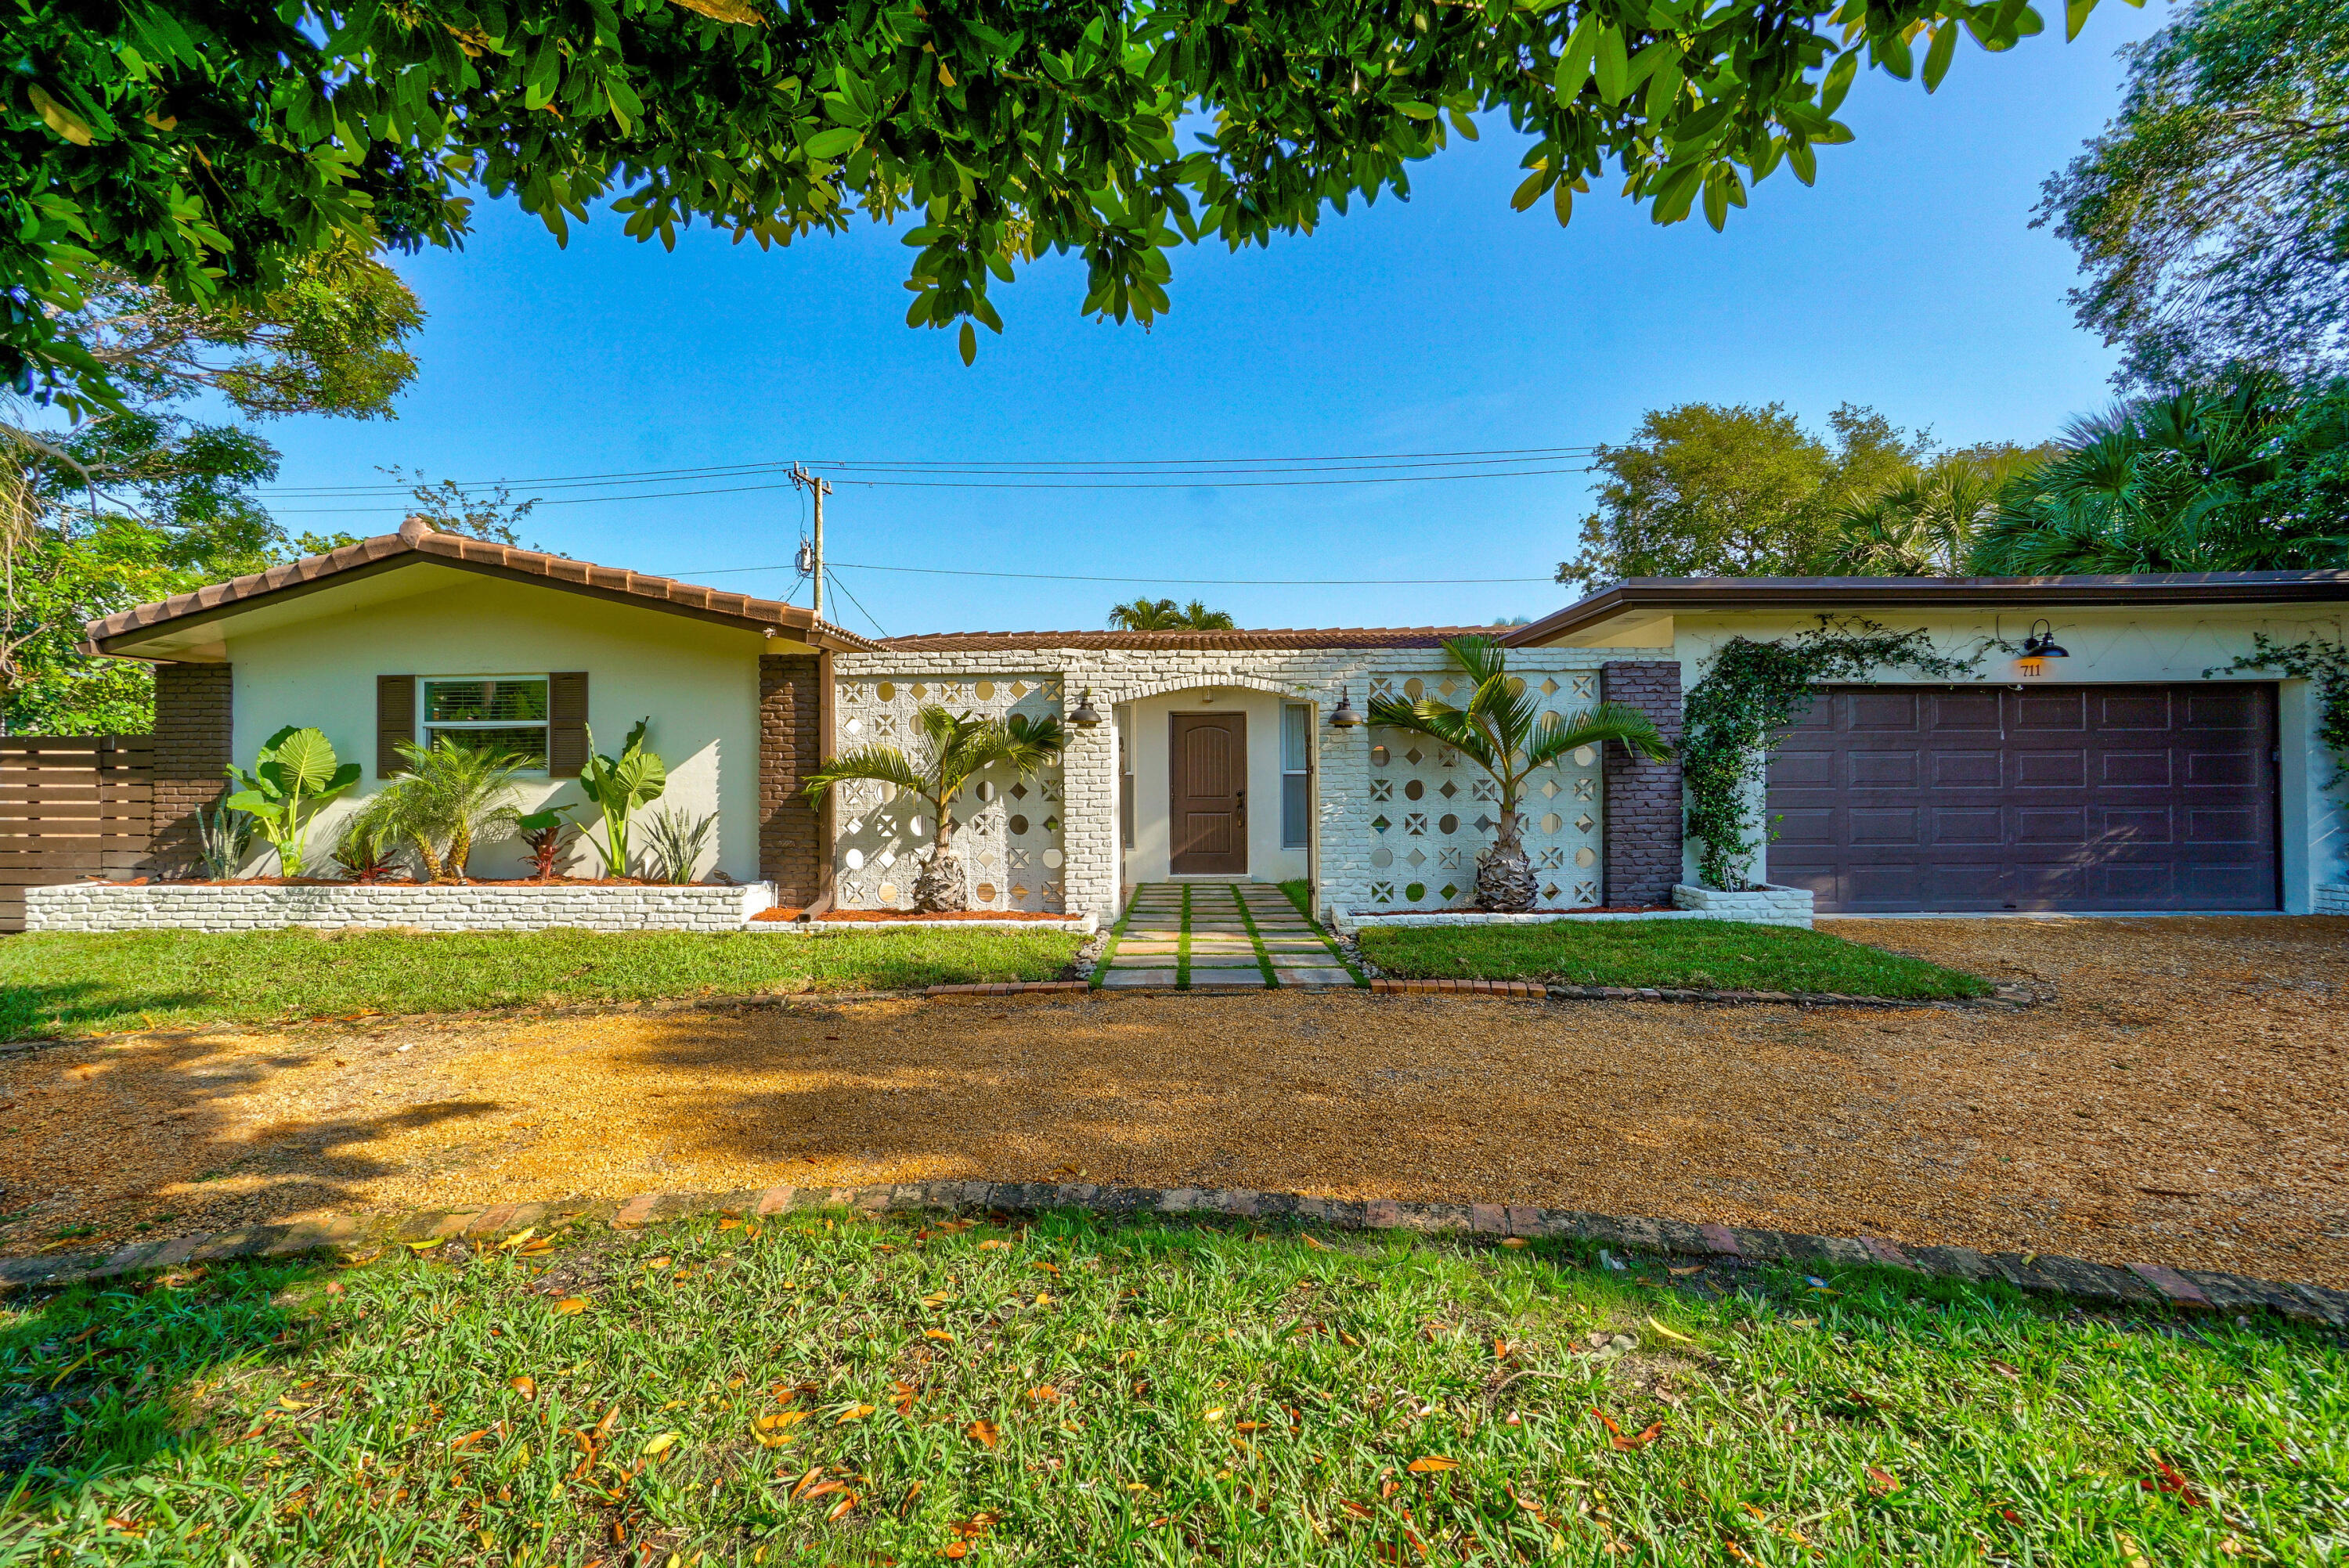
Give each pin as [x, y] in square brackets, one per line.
[1212, 937]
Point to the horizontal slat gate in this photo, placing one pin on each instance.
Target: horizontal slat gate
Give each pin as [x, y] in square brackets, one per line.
[71, 805]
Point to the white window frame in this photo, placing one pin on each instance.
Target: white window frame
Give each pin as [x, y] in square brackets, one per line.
[1299, 834]
[424, 726]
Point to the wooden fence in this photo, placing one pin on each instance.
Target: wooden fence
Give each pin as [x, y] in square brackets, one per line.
[71, 805]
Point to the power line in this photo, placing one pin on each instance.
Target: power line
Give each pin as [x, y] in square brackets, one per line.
[1466, 456]
[855, 600]
[987, 485]
[1175, 581]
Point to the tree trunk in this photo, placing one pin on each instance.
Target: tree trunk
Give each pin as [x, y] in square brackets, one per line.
[460, 850]
[424, 852]
[1505, 874]
[944, 884]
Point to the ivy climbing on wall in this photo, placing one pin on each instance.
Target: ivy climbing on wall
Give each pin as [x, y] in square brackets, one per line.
[1737, 713]
[2325, 667]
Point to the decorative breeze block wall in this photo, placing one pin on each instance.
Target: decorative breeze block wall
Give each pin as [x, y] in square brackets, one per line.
[1430, 812]
[1009, 830]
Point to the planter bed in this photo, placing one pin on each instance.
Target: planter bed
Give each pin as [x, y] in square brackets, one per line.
[261, 905]
[1766, 904]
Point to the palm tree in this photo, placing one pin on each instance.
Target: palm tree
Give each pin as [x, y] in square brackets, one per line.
[1161, 616]
[452, 797]
[2166, 485]
[1502, 731]
[960, 747]
[1925, 525]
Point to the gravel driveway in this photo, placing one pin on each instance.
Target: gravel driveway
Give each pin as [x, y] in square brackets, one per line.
[2184, 1100]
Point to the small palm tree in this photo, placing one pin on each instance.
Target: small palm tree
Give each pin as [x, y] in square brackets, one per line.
[1502, 731]
[452, 797]
[1926, 524]
[960, 748]
[1161, 616]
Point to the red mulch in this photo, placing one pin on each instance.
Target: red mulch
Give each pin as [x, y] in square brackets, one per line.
[829, 915]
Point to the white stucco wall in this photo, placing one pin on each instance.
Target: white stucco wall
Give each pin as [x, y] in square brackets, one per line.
[1149, 723]
[2114, 647]
[697, 682]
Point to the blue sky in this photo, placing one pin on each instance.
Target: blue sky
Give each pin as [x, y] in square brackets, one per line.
[1907, 278]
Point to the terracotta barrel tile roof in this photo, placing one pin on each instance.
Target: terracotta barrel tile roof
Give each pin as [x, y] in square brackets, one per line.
[415, 539]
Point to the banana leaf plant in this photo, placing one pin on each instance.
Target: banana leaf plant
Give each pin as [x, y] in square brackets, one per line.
[619, 787]
[960, 747]
[1503, 729]
[296, 774]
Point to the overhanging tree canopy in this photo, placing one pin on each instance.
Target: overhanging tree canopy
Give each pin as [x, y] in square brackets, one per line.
[206, 146]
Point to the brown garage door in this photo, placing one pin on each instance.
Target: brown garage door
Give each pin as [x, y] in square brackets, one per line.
[1889, 798]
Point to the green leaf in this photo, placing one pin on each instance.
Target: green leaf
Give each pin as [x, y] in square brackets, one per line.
[1562, 199]
[1892, 54]
[306, 758]
[2075, 16]
[1574, 66]
[1938, 58]
[1610, 66]
[832, 144]
[1839, 79]
[1529, 192]
[1415, 110]
[970, 344]
[1802, 161]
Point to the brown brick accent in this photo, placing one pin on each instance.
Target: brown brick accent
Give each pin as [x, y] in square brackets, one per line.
[1643, 798]
[191, 758]
[791, 847]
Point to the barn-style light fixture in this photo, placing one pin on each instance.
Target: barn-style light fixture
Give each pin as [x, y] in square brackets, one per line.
[2042, 643]
[1085, 718]
[1345, 718]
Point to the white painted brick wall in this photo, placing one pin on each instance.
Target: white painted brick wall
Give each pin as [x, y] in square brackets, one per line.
[195, 906]
[1343, 838]
[1767, 905]
[2332, 901]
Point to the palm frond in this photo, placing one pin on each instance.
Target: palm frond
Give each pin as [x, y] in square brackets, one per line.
[882, 764]
[1595, 726]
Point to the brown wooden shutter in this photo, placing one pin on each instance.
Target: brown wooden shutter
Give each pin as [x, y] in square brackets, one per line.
[394, 722]
[566, 731]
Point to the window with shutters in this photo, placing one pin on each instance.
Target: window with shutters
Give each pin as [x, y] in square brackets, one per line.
[499, 713]
[1296, 783]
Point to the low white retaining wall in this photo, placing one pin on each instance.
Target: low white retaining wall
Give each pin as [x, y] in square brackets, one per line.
[1766, 906]
[476, 906]
[1086, 923]
[2332, 901]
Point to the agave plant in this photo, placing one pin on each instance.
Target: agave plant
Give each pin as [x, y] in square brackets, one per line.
[1502, 729]
[676, 840]
[452, 797]
[296, 774]
[961, 747]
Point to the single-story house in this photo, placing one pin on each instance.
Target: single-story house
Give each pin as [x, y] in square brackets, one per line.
[2118, 773]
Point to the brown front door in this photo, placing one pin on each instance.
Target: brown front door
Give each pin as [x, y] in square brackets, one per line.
[1207, 796]
[1892, 799]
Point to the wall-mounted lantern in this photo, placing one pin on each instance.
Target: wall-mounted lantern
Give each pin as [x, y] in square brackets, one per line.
[2042, 643]
[1085, 718]
[1345, 718]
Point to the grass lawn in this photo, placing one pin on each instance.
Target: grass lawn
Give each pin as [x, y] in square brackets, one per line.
[1699, 954]
[68, 984]
[861, 1392]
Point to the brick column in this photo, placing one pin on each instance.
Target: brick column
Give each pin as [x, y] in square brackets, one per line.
[1643, 799]
[191, 757]
[791, 847]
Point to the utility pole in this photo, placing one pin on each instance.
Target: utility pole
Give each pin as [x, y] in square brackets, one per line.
[811, 554]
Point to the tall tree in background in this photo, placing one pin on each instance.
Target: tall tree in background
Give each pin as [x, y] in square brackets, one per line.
[209, 150]
[1704, 490]
[2212, 215]
[1163, 615]
[1925, 522]
[136, 503]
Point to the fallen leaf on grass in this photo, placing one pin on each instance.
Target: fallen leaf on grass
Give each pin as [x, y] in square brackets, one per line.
[957, 1549]
[426, 1246]
[518, 1238]
[1638, 1440]
[570, 1304]
[1513, 1241]
[1432, 1464]
[854, 1413]
[779, 1419]
[1048, 1268]
[661, 1444]
[525, 1387]
[936, 1299]
[1688, 1269]
[1882, 1483]
[984, 1246]
[2003, 1370]
[1314, 1245]
[1673, 1334]
[985, 1431]
[1044, 1394]
[799, 1488]
[938, 1334]
[2169, 1480]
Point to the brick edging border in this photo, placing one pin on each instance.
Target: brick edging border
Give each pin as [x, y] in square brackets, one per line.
[2135, 1284]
